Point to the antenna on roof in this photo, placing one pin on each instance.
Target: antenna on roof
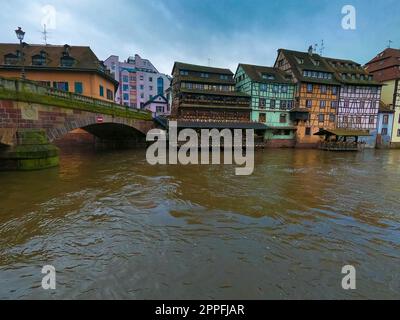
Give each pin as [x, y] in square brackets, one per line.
[209, 62]
[45, 34]
[322, 48]
[315, 47]
[390, 43]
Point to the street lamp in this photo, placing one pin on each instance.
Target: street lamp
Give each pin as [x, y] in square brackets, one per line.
[20, 35]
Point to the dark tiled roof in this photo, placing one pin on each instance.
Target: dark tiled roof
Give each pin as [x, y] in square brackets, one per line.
[256, 74]
[351, 68]
[385, 108]
[310, 62]
[156, 97]
[356, 74]
[197, 68]
[84, 58]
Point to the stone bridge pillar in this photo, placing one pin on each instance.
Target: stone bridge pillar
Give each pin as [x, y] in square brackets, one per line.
[31, 151]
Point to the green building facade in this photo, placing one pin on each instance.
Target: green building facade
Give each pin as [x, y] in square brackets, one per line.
[272, 94]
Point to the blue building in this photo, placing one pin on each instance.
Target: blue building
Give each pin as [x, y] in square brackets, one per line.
[385, 125]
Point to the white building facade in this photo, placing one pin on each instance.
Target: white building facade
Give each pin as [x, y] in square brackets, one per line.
[139, 81]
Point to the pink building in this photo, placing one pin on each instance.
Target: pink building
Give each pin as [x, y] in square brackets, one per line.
[139, 80]
[158, 106]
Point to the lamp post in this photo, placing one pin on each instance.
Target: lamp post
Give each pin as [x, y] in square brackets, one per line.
[20, 35]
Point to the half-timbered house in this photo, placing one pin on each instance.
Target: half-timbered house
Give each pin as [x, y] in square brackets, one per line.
[317, 93]
[358, 100]
[272, 98]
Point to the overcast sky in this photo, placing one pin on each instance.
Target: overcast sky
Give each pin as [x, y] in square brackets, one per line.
[220, 32]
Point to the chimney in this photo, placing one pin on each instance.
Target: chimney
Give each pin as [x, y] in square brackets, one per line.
[310, 50]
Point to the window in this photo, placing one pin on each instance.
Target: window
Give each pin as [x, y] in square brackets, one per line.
[184, 73]
[362, 104]
[398, 132]
[322, 104]
[358, 120]
[385, 119]
[160, 85]
[332, 117]
[262, 103]
[204, 75]
[323, 89]
[334, 104]
[282, 118]
[159, 109]
[101, 91]
[273, 103]
[308, 103]
[284, 89]
[150, 79]
[282, 105]
[321, 118]
[141, 87]
[151, 88]
[11, 58]
[126, 97]
[310, 88]
[110, 95]
[308, 131]
[67, 61]
[384, 132]
[64, 86]
[125, 87]
[263, 87]
[39, 59]
[371, 119]
[223, 77]
[275, 88]
[262, 117]
[125, 79]
[78, 87]
[334, 91]
[290, 104]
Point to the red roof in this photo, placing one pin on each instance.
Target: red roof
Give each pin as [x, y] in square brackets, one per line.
[386, 65]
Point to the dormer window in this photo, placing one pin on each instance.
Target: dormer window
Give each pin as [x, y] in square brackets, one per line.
[184, 73]
[223, 77]
[267, 76]
[39, 59]
[67, 61]
[315, 62]
[299, 60]
[11, 59]
[204, 75]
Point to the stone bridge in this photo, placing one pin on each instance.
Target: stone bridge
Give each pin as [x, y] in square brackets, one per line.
[33, 116]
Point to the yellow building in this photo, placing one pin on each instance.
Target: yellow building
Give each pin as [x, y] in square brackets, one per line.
[385, 68]
[74, 69]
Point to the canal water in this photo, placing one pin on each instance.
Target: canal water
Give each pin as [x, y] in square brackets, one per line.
[115, 227]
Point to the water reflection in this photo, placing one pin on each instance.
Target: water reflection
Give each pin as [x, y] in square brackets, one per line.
[115, 227]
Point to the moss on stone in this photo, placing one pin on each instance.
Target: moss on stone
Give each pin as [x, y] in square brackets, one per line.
[26, 96]
[32, 137]
[37, 164]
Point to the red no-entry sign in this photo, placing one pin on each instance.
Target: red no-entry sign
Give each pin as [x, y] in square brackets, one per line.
[100, 119]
